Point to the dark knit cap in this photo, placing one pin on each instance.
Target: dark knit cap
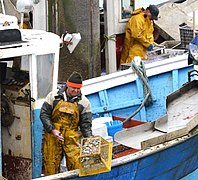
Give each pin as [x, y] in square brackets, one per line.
[154, 12]
[75, 80]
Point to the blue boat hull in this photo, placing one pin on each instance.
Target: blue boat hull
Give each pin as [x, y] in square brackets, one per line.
[172, 162]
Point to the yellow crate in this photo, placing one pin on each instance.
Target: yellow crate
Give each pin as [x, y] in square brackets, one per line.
[95, 156]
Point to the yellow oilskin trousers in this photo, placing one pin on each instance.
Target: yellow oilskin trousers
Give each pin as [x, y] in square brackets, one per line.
[65, 118]
[138, 37]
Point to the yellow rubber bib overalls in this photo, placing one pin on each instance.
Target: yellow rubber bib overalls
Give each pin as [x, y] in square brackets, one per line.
[138, 36]
[65, 118]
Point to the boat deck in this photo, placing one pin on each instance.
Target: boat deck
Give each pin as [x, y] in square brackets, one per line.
[182, 110]
[181, 118]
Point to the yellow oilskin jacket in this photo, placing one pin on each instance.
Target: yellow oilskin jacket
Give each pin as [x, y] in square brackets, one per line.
[138, 37]
[65, 118]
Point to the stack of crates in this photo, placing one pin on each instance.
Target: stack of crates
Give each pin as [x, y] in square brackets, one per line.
[95, 156]
[186, 36]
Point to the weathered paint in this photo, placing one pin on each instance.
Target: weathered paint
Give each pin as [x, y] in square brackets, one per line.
[17, 167]
[16, 142]
[19, 134]
[122, 101]
[159, 162]
[37, 132]
[17, 139]
[191, 176]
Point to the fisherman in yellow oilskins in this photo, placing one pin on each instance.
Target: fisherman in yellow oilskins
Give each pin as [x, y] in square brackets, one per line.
[66, 117]
[139, 34]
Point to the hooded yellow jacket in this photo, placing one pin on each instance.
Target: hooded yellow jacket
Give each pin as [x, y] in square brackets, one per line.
[138, 37]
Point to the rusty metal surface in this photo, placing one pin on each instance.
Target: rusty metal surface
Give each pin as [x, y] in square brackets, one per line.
[17, 168]
[17, 141]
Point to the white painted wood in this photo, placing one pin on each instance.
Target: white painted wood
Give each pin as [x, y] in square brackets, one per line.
[109, 32]
[33, 76]
[38, 42]
[119, 24]
[21, 128]
[126, 76]
[196, 68]
[40, 16]
[56, 67]
[17, 137]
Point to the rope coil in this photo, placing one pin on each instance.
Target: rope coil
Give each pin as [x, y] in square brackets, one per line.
[148, 100]
[107, 38]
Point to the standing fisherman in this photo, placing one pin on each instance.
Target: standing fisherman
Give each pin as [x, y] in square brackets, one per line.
[66, 117]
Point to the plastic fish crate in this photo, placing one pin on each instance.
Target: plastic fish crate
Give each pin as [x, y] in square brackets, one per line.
[186, 36]
[95, 156]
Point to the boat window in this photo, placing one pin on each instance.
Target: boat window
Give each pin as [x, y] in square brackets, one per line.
[126, 8]
[45, 67]
[14, 78]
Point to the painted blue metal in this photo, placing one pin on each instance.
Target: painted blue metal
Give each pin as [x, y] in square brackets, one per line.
[125, 99]
[171, 163]
[191, 176]
[157, 165]
[122, 101]
[37, 132]
[175, 75]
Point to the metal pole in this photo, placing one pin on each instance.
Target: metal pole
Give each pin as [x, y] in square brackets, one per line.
[193, 24]
[21, 24]
[0, 136]
[3, 7]
[110, 49]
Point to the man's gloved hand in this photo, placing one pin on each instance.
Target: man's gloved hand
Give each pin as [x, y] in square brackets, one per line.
[150, 48]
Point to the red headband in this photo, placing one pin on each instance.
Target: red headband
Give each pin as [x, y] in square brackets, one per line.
[74, 85]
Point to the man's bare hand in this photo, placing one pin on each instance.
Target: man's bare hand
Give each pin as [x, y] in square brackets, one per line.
[57, 134]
